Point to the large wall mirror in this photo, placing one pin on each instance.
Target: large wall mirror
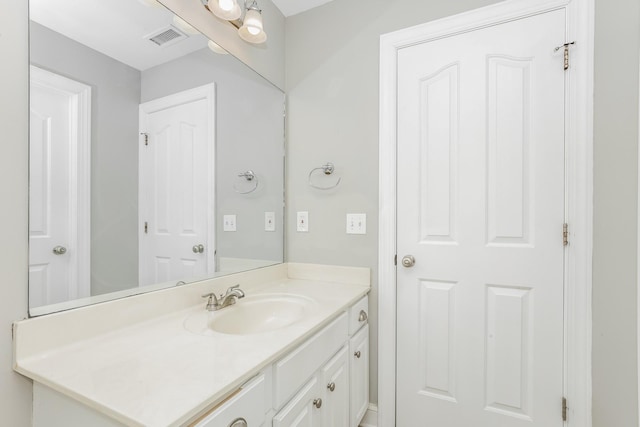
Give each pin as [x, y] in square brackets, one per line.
[155, 158]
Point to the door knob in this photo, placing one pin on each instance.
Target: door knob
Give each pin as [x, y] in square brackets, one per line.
[408, 261]
[198, 249]
[331, 386]
[357, 354]
[317, 403]
[59, 250]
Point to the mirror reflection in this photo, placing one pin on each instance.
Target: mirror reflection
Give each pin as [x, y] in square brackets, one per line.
[155, 157]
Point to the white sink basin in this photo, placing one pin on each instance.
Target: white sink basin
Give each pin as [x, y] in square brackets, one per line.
[251, 315]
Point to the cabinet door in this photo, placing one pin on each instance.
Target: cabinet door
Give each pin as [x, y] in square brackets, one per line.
[359, 373]
[335, 380]
[302, 410]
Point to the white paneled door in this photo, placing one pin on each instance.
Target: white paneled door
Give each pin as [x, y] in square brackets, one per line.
[481, 199]
[59, 170]
[176, 187]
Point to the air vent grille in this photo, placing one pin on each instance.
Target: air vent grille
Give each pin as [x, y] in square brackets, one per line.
[166, 36]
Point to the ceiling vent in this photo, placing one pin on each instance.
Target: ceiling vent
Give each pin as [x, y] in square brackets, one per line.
[166, 36]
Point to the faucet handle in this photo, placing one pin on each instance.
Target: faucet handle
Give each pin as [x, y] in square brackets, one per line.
[212, 302]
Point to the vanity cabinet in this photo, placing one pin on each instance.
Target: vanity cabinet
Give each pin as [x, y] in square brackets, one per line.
[337, 395]
[359, 375]
[246, 407]
[323, 382]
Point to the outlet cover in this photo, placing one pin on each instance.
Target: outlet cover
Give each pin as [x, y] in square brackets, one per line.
[229, 223]
[356, 223]
[302, 222]
[269, 221]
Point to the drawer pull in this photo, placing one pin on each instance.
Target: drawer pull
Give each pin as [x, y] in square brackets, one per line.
[331, 386]
[238, 422]
[357, 354]
[363, 316]
[317, 403]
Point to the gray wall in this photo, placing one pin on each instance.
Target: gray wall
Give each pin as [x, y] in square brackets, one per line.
[115, 96]
[332, 89]
[615, 388]
[15, 390]
[249, 135]
[332, 114]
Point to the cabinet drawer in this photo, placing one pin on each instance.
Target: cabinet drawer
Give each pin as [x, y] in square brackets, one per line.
[248, 403]
[358, 315]
[292, 371]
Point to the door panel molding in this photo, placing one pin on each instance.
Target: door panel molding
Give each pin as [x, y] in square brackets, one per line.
[578, 190]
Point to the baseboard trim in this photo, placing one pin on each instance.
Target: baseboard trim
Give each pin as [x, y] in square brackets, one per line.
[370, 418]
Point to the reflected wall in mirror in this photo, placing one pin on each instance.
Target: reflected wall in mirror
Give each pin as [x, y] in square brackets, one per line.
[153, 159]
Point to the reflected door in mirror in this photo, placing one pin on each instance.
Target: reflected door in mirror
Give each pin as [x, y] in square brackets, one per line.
[58, 205]
[176, 171]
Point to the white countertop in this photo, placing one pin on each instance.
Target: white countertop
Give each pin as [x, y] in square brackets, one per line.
[155, 372]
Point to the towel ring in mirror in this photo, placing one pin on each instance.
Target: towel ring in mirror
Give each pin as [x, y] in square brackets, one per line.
[326, 169]
[249, 176]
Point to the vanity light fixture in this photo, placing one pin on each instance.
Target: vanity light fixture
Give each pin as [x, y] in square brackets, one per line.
[250, 28]
[151, 3]
[183, 25]
[228, 10]
[217, 48]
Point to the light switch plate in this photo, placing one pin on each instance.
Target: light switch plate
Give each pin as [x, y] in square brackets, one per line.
[229, 223]
[303, 222]
[356, 223]
[269, 221]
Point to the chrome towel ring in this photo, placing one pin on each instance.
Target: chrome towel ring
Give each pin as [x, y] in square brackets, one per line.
[327, 169]
[249, 176]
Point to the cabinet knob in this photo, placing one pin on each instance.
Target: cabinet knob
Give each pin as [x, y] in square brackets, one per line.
[363, 316]
[317, 403]
[331, 386]
[238, 422]
[357, 354]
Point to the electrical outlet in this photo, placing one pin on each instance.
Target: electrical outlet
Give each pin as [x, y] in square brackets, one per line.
[269, 221]
[303, 222]
[356, 223]
[229, 223]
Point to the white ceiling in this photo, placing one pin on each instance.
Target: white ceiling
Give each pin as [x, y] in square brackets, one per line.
[117, 28]
[293, 7]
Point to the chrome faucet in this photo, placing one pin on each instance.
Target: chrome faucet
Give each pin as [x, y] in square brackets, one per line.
[230, 297]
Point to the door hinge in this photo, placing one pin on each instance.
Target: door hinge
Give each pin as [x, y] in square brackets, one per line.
[146, 227]
[565, 234]
[564, 409]
[566, 53]
[395, 259]
[146, 137]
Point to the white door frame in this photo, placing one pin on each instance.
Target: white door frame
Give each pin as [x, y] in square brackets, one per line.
[208, 93]
[579, 191]
[79, 175]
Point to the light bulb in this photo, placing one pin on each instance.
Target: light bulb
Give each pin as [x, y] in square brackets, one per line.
[228, 10]
[253, 30]
[226, 5]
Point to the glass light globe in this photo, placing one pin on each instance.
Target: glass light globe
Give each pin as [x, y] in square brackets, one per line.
[252, 30]
[229, 10]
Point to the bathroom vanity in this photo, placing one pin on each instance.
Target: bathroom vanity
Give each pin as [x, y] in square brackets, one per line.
[294, 350]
